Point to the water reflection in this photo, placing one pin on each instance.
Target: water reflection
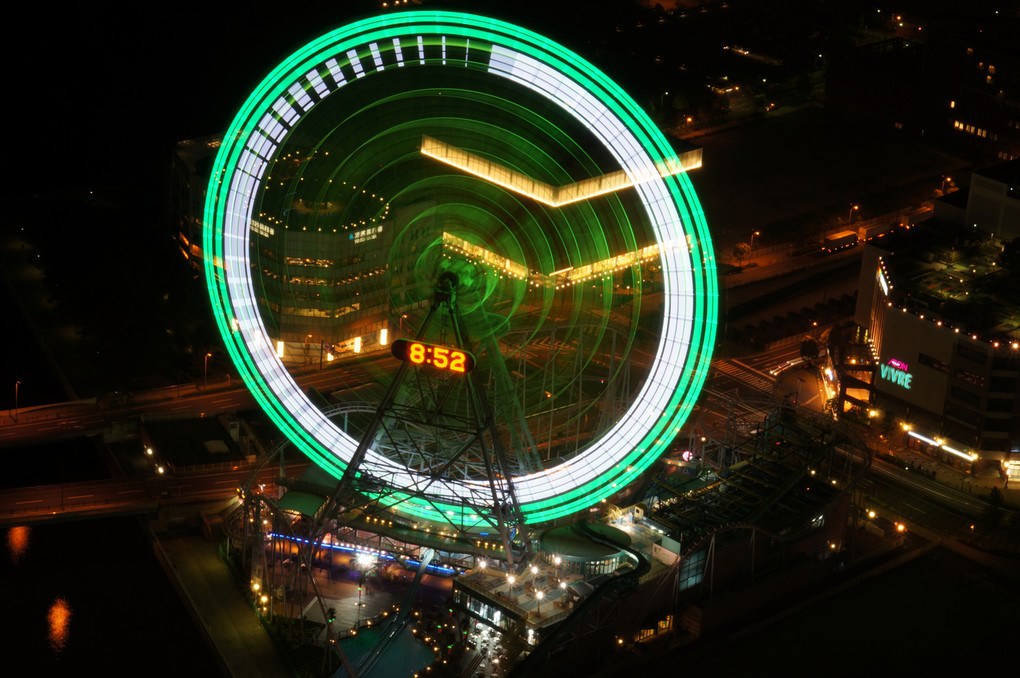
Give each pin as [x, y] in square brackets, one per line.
[59, 618]
[17, 542]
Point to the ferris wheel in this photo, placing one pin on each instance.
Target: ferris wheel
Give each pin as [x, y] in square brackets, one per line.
[489, 244]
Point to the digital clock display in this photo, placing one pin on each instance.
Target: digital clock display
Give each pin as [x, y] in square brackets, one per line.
[440, 357]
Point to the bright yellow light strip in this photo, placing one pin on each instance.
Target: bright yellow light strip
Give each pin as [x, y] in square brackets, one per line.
[491, 258]
[610, 265]
[553, 196]
[561, 278]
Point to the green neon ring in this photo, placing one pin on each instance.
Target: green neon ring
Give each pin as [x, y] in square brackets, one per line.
[686, 221]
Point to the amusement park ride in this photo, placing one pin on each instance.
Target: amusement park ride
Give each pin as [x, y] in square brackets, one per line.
[496, 240]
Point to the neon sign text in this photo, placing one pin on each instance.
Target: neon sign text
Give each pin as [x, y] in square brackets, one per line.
[896, 372]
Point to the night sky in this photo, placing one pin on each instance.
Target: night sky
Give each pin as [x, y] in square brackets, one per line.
[99, 92]
[99, 95]
[104, 90]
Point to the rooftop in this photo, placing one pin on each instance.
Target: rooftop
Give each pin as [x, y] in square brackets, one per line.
[1007, 173]
[956, 275]
[778, 484]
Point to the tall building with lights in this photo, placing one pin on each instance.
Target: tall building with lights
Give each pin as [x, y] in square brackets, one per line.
[951, 78]
[319, 277]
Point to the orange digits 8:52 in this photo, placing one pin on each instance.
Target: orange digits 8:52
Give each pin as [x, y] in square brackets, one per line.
[440, 357]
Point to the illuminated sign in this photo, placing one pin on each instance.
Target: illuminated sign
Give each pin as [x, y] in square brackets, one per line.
[440, 357]
[896, 372]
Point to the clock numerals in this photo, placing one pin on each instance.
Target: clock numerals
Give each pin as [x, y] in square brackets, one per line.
[416, 352]
[458, 361]
[440, 357]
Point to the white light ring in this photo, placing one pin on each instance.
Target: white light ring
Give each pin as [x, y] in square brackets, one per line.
[633, 427]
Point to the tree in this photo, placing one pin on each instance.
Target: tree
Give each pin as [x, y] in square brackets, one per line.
[831, 406]
[810, 350]
[741, 251]
[993, 513]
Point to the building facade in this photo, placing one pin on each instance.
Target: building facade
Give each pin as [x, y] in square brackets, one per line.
[951, 384]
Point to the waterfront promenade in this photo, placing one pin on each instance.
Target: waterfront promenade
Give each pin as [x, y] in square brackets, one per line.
[220, 607]
[223, 612]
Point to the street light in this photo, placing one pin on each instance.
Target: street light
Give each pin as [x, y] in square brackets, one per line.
[853, 208]
[752, 238]
[205, 370]
[16, 385]
[539, 594]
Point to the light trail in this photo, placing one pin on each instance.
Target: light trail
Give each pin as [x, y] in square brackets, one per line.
[553, 196]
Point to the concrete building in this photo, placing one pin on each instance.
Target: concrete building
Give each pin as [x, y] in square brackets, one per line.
[941, 309]
[950, 77]
[993, 203]
[331, 275]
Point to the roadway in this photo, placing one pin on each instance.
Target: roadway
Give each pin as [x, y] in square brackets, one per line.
[743, 388]
[748, 388]
[941, 498]
[89, 499]
[29, 425]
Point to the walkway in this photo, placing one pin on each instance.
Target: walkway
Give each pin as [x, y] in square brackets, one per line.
[220, 607]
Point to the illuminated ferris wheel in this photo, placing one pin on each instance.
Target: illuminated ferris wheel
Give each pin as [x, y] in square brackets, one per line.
[487, 243]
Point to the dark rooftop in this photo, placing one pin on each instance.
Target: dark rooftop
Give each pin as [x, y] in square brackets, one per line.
[1006, 172]
[957, 275]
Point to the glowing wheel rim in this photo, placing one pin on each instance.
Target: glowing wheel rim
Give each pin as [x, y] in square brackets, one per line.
[506, 52]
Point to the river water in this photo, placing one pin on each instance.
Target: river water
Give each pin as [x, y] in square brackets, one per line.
[84, 597]
[90, 598]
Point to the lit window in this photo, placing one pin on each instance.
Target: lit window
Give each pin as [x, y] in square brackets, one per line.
[952, 104]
